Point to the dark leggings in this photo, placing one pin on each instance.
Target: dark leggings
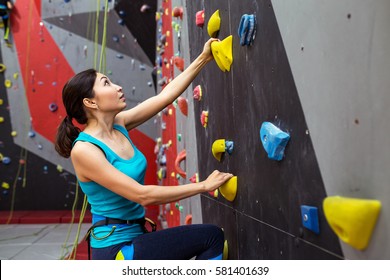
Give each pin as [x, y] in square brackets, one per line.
[178, 243]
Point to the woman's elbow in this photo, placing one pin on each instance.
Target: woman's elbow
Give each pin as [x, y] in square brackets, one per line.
[146, 200]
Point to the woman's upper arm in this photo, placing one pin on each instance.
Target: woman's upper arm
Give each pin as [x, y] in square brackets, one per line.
[91, 165]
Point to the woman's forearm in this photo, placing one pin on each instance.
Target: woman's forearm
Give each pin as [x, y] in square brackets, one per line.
[154, 195]
[178, 85]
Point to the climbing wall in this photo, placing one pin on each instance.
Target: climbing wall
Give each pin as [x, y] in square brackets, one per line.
[324, 86]
[176, 149]
[51, 41]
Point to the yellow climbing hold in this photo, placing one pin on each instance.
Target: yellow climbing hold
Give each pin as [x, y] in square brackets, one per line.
[223, 53]
[8, 83]
[2, 67]
[119, 256]
[218, 148]
[352, 219]
[1, 119]
[229, 189]
[225, 253]
[5, 185]
[14, 133]
[160, 174]
[214, 24]
[60, 168]
[16, 75]
[1, 101]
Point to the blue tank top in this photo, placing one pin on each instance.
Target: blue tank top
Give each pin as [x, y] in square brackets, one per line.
[105, 203]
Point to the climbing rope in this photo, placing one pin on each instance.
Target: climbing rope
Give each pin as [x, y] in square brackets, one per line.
[22, 152]
[71, 221]
[102, 65]
[102, 69]
[73, 253]
[96, 35]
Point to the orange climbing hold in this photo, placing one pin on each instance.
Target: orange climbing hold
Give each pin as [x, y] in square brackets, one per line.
[177, 12]
[204, 118]
[183, 105]
[179, 63]
[180, 157]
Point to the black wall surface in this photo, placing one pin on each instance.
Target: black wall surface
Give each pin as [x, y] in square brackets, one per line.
[264, 221]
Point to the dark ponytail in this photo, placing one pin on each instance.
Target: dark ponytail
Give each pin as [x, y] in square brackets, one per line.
[66, 134]
[73, 93]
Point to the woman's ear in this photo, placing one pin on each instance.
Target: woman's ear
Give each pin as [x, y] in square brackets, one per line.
[90, 103]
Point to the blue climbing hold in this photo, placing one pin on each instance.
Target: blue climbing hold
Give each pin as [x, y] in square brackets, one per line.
[229, 146]
[274, 140]
[247, 29]
[53, 107]
[310, 218]
[6, 160]
[31, 134]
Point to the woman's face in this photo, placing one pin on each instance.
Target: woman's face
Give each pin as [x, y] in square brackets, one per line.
[108, 96]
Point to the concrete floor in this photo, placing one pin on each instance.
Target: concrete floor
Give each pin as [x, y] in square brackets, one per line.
[38, 241]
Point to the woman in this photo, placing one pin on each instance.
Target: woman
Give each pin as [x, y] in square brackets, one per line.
[111, 170]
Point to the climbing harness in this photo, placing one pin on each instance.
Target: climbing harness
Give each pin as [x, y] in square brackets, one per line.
[247, 29]
[109, 221]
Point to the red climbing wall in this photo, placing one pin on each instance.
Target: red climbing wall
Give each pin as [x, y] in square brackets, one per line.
[172, 215]
[42, 68]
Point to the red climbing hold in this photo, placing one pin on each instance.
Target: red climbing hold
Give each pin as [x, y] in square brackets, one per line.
[195, 178]
[183, 105]
[179, 63]
[197, 93]
[188, 219]
[177, 12]
[199, 18]
[180, 157]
